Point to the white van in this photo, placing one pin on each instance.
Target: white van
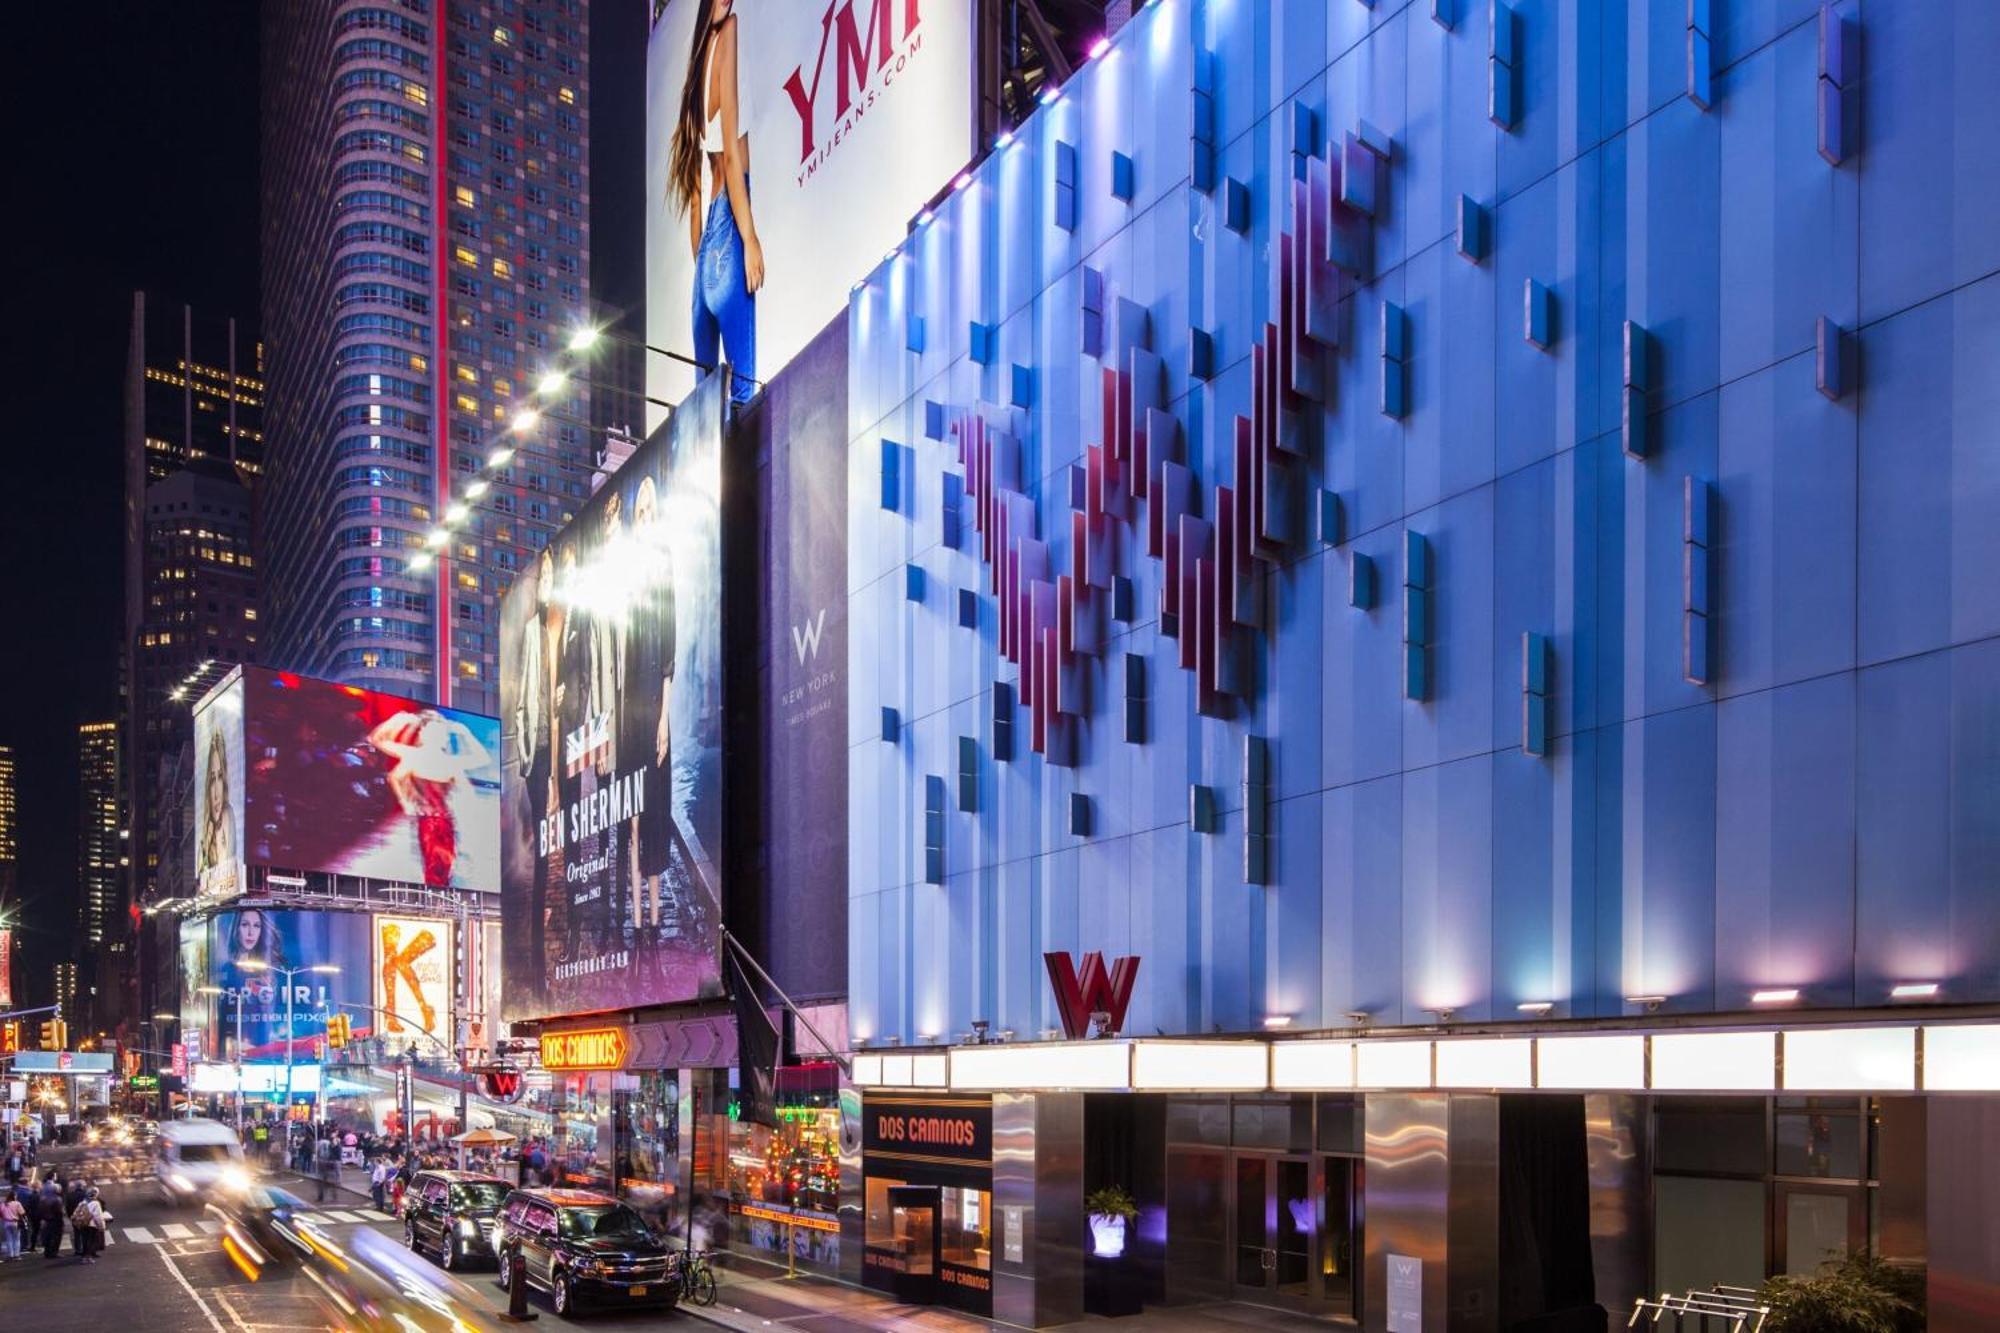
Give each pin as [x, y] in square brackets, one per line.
[197, 1159]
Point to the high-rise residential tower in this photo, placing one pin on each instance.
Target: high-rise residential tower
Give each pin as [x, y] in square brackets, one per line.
[98, 853]
[425, 253]
[194, 445]
[10, 849]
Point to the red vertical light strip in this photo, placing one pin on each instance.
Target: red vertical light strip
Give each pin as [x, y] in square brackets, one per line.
[440, 381]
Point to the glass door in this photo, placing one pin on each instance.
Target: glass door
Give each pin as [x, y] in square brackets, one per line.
[1253, 1224]
[1292, 1195]
[1275, 1225]
[1340, 1236]
[913, 1227]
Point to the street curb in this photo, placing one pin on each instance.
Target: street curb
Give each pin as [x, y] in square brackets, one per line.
[723, 1317]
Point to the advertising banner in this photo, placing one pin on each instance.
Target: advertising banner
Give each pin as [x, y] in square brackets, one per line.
[611, 694]
[6, 969]
[246, 961]
[355, 782]
[847, 115]
[801, 427]
[218, 789]
[413, 976]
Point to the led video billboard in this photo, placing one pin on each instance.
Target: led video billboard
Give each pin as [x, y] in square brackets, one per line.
[611, 699]
[243, 959]
[351, 781]
[846, 116]
[218, 788]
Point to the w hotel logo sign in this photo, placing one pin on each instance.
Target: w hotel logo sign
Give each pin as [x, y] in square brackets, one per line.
[1080, 994]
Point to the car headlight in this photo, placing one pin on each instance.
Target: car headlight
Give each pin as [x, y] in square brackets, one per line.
[468, 1227]
[592, 1266]
[236, 1178]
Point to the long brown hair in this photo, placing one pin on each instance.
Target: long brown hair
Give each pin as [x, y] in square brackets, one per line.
[684, 162]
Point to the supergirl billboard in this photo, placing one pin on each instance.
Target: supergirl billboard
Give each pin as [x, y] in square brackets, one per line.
[307, 775]
[611, 700]
[264, 973]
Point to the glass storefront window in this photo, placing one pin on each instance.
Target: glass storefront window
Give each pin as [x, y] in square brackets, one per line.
[583, 1134]
[785, 1182]
[966, 1237]
[646, 1114]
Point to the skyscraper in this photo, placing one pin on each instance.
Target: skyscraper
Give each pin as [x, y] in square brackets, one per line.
[10, 849]
[194, 444]
[425, 253]
[98, 826]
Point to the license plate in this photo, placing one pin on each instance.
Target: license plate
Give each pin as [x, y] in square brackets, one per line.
[638, 1291]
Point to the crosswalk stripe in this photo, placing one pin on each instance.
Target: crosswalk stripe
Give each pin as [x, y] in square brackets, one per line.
[210, 1227]
[139, 1235]
[340, 1215]
[176, 1231]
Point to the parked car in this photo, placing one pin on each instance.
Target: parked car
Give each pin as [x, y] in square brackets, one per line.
[453, 1214]
[584, 1249]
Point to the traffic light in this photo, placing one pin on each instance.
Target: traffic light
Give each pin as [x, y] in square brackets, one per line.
[339, 1031]
[53, 1035]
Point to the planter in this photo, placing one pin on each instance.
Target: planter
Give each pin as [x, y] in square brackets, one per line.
[1107, 1235]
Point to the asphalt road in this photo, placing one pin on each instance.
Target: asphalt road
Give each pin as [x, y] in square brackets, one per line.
[164, 1271]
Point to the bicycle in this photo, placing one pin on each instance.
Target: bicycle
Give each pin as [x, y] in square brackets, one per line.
[696, 1277]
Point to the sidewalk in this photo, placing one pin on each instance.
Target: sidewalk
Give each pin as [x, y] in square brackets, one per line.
[752, 1304]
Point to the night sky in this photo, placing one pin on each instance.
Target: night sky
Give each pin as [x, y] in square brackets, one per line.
[133, 143]
[133, 136]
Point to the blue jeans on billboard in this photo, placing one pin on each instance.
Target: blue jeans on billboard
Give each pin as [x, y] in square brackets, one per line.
[723, 305]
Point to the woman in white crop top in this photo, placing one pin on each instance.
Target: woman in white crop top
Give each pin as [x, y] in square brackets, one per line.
[708, 177]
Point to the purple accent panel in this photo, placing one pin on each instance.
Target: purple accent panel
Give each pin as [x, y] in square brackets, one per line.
[1322, 293]
[1302, 357]
[1059, 732]
[1107, 429]
[1170, 579]
[1162, 442]
[1074, 475]
[1350, 238]
[1146, 388]
[1236, 571]
[1066, 618]
[1087, 622]
[1008, 595]
[1079, 548]
[1252, 481]
[1133, 328]
[1176, 495]
[1360, 173]
[1041, 613]
[1194, 546]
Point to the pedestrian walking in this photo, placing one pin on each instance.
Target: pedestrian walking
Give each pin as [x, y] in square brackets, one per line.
[74, 1193]
[327, 1160]
[12, 1215]
[88, 1224]
[49, 1216]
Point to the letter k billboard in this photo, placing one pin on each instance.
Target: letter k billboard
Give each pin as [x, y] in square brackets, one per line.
[1091, 990]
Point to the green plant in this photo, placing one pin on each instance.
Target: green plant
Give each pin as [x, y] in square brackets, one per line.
[1111, 1201]
[1860, 1294]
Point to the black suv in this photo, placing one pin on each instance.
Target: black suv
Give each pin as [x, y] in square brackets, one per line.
[584, 1248]
[453, 1214]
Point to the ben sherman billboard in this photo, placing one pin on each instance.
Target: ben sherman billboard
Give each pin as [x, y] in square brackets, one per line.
[848, 115]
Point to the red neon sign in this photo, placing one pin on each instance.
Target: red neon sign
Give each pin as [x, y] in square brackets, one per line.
[1090, 990]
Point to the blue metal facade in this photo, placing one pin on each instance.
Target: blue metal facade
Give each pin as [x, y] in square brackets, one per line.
[1811, 530]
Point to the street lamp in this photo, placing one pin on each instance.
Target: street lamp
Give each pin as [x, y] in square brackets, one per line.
[237, 1049]
[325, 969]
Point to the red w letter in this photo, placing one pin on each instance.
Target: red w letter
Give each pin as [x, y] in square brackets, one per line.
[1078, 996]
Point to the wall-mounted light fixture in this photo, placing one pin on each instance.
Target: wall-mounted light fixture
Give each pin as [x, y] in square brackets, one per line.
[1650, 1003]
[1277, 1020]
[1781, 995]
[1539, 1008]
[1914, 990]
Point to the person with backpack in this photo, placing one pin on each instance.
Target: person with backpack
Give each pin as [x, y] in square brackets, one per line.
[88, 1222]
